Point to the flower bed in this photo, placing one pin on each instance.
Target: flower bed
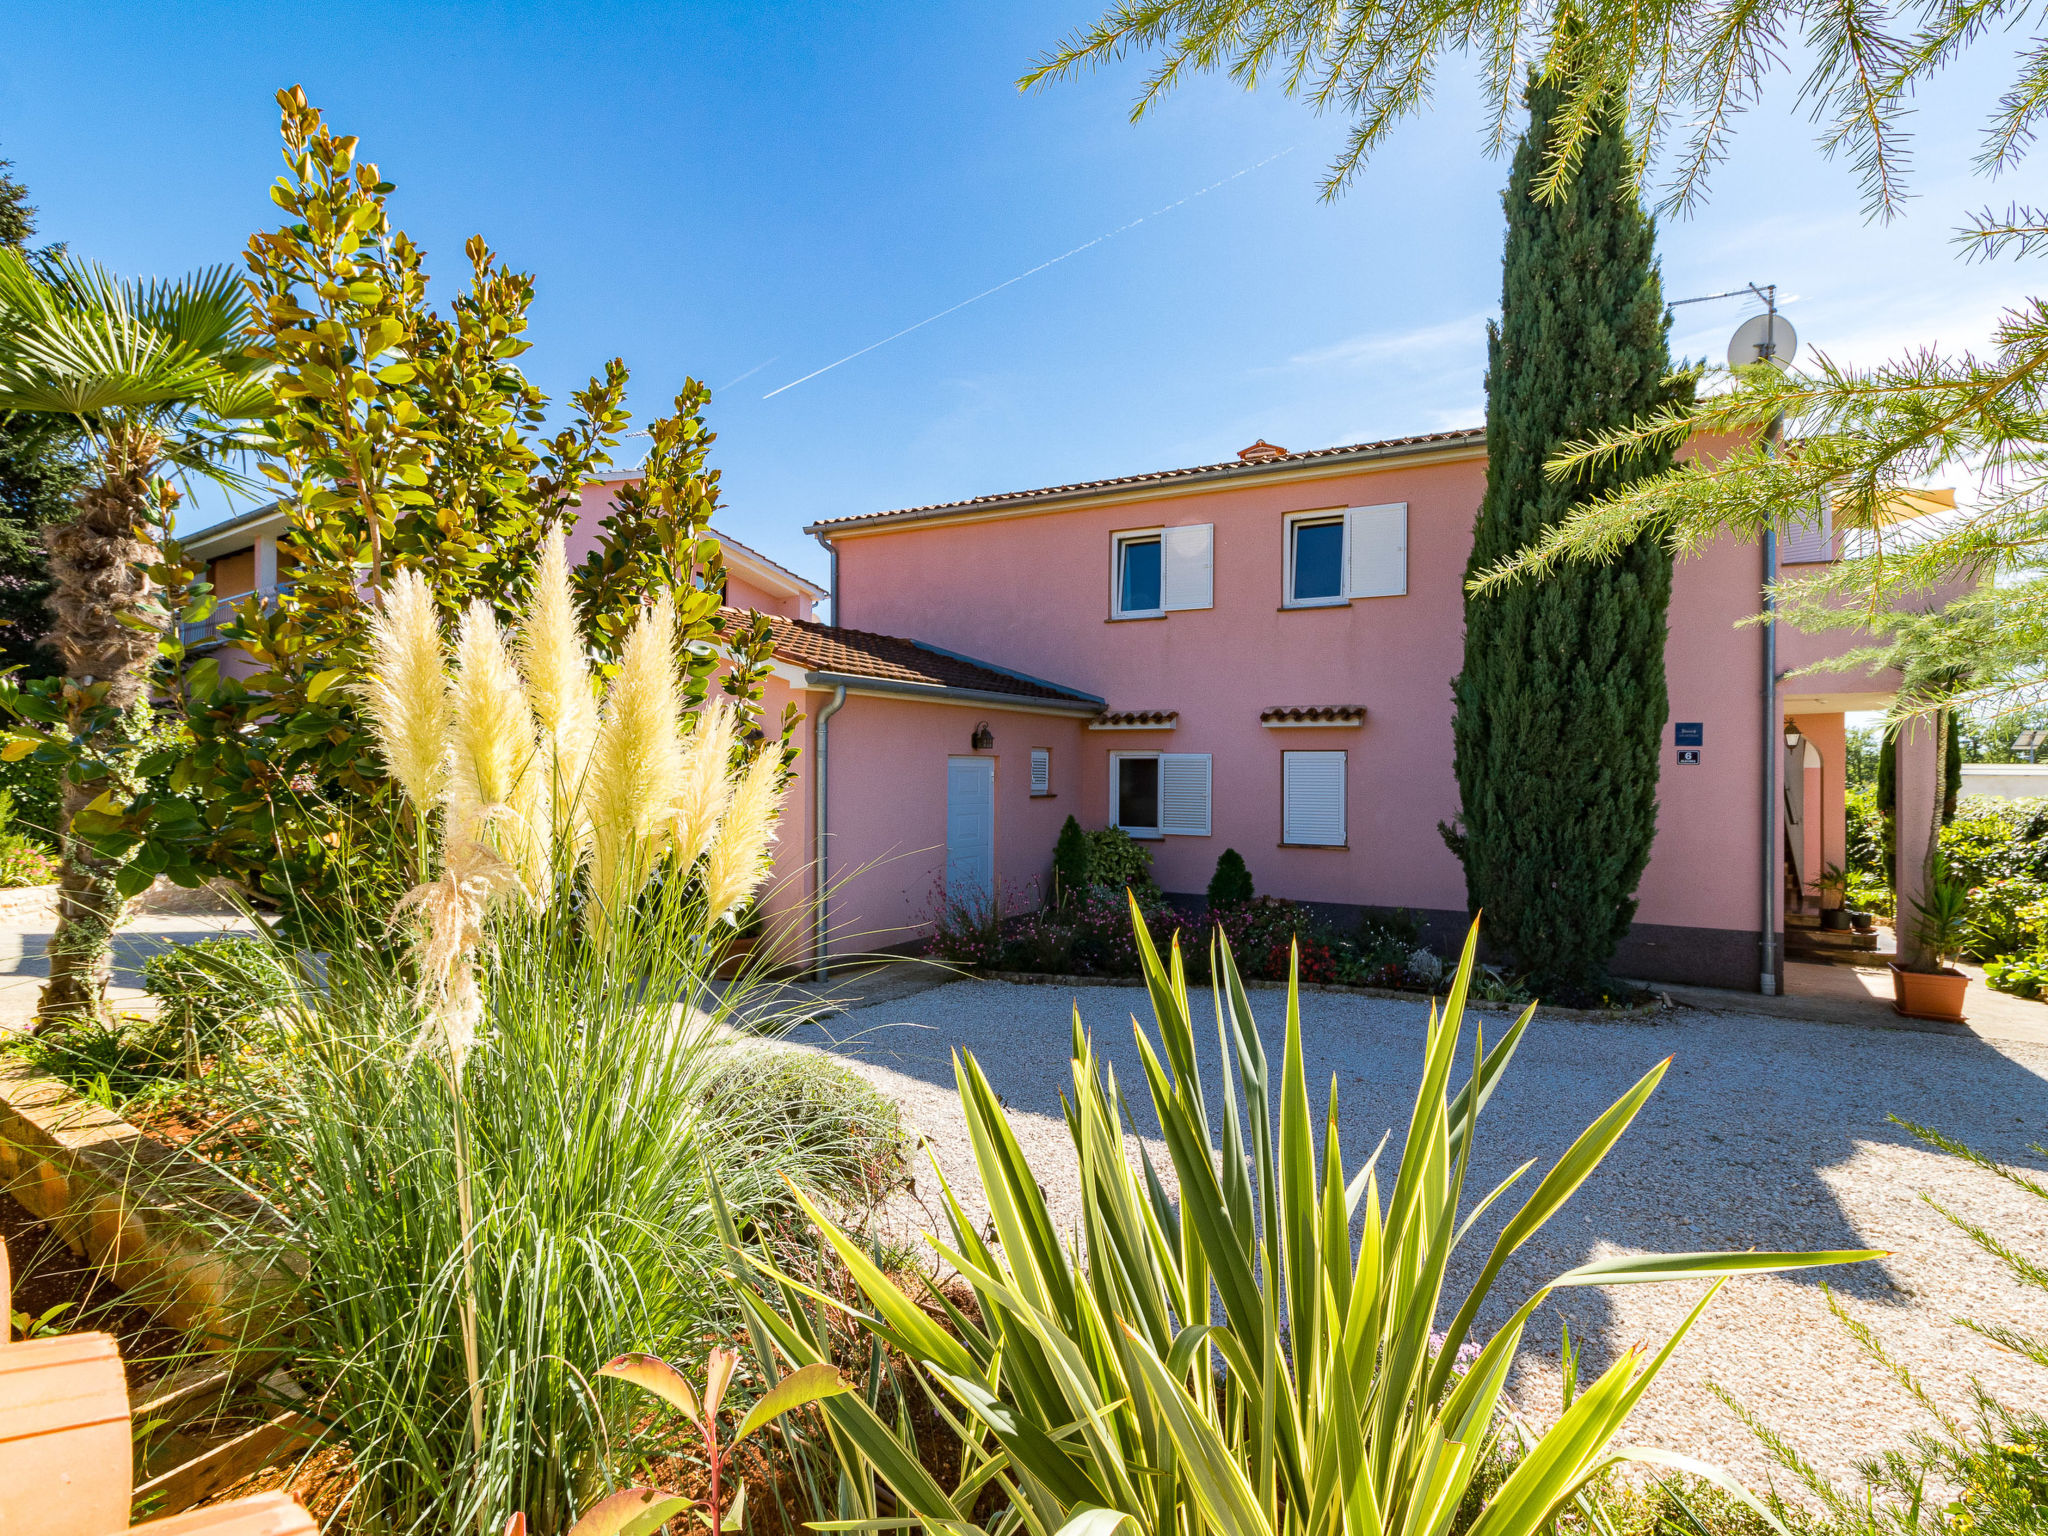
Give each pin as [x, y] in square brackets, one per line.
[1092, 937]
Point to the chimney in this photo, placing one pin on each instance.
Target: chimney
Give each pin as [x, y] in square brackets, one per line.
[1262, 452]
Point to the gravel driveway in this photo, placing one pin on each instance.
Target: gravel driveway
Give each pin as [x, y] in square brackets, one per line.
[1766, 1132]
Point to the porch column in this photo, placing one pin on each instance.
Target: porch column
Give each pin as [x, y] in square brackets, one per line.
[1914, 823]
[266, 562]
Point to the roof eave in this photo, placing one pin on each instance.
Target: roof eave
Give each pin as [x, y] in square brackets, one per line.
[1301, 467]
[942, 693]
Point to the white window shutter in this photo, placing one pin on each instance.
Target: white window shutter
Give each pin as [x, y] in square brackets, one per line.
[1187, 565]
[1809, 543]
[1312, 811]
[1041, 770]
[1377, 562]
[1184, 793]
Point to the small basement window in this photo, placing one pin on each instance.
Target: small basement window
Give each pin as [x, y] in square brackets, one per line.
[1140, 585]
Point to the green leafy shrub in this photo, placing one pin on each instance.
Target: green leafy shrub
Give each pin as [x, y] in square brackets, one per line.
[1231, 885]
[1070, 869]
[1313, 1392]
[206, 991]
[1118, 860]
[1995, 839]
[24, 860]
[2021, 975]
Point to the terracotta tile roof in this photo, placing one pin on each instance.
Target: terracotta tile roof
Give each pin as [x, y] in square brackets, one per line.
[888, 658]
[1233, 469]
[1136, 720]
[1313, 714]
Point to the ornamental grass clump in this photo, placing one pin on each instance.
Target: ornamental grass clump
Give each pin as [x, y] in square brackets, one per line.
[1262, 1353]
[492, 1130]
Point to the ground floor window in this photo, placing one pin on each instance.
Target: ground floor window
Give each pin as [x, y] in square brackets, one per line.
[1160, 794]
[1312, 799]
[1041, 770]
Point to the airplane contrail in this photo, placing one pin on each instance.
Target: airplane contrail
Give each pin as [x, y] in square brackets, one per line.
[1031, 272]
[729, 383]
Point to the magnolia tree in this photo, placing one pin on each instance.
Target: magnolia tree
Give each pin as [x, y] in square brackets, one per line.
[404, 440]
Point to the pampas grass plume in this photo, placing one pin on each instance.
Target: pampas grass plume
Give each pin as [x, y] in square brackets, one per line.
[739, 856]
[557, 671]
[706, 787]
[406, 693]
[636, 764]
[492, 787]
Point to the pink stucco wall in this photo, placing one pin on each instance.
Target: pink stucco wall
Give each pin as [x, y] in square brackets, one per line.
[887, 817]
[1219, 667]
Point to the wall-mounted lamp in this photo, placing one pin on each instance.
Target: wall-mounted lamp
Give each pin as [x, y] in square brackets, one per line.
[983, 738]
[1792, 737]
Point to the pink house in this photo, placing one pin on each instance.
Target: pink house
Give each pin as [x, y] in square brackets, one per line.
[1257, 655]
[1272, 641]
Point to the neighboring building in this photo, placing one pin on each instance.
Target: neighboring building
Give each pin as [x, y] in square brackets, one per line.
[1273, 640]
[2006, 781]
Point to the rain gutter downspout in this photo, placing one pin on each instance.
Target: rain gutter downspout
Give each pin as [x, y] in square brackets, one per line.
[832, 579]
[1774, 754]
[1774, 746]
[820, 928]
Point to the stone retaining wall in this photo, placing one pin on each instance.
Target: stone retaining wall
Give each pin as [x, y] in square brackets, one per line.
[181, 1238]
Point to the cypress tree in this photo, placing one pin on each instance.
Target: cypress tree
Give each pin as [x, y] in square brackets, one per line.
[1561, 705]
[38, 470]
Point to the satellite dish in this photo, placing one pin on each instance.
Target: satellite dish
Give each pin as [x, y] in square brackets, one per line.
[1760, 338]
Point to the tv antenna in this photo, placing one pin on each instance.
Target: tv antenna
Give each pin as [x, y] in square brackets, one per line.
[1764, 338]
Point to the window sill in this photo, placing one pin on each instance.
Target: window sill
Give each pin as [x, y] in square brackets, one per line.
[1319, 847]
[1317, 602]
[1132, 618]
[1046, 796]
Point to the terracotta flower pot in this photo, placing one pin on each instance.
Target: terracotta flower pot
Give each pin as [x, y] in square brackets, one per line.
[1920, 995]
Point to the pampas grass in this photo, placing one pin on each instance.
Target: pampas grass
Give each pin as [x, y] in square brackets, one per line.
[635, 767]
[556, 669]
[405, 693]
[704, 789]
[739, 858]
[479, 1235]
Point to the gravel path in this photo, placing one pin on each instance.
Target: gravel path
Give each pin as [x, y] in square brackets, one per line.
[1765, 1132]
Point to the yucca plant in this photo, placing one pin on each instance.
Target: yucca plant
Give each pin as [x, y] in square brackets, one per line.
[1259, 1354]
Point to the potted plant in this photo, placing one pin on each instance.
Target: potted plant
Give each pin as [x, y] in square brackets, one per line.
[1941, 926]
[1831, 885]
[1863, 922]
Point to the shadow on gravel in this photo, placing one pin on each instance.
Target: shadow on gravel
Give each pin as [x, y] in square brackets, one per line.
[1733, 1151]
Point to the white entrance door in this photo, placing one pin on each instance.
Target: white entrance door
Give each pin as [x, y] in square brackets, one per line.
[970, 829]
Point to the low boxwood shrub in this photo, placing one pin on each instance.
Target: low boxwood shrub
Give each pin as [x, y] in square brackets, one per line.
[1231, 885]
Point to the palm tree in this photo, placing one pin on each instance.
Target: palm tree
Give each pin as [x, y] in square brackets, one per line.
[156, 377]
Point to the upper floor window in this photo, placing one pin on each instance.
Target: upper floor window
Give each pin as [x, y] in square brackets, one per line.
[1139, 585]
[1334, 556]
[1155, 571]
[1316, 560]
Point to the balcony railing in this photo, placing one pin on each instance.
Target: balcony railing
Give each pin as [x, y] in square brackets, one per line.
[206, 631]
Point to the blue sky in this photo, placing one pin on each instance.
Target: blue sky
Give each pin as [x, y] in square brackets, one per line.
[747, 193]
